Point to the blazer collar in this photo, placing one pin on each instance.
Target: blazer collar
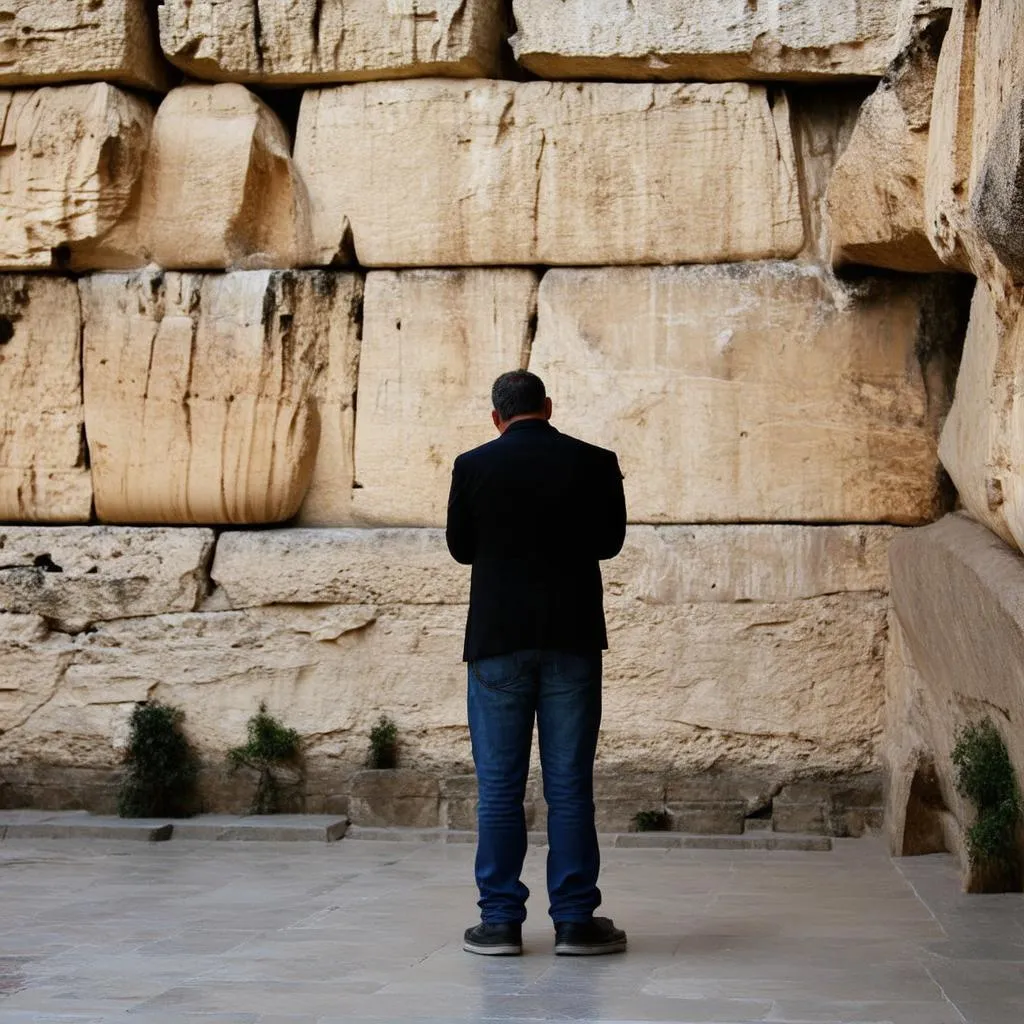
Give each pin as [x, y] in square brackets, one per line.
[529, 425]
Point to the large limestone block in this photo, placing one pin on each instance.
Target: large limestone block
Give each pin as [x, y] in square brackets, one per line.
[433, 343]
[220, 189]
[997, 171]
[677, 565]
[958, 593]
[44, 474]
[75, 576]
[328, 671]
[982, 445]
[753, 393]
[201, 392]
[438, 174]
[306, 41]
[753, 684]
[350, 566]
[790, 687]
[659, 565]
[75, 40]
[329, 498]
[71, 165]
[712, 40]
[33, 662]
[876, 196]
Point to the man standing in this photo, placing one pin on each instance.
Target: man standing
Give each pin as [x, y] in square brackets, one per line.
[533, 512]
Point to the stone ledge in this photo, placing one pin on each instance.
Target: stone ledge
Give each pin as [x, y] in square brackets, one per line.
[210, 827]
[625, 840]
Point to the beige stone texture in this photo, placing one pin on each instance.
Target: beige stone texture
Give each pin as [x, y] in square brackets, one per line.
[710, 40]
[953, 148]
[305, 41]
[341, 566]
[784, 675]
[997, 163]
[77, 575]
[958, 593]
[71, 166]
[876, 195]
[982, 445]
[761, 392]
[201, 392]
[440, 174]
[329, 498]
[53, 41]
[220, 189]
[433, 343]
[659, 565]
[44, 476]
[822, 123]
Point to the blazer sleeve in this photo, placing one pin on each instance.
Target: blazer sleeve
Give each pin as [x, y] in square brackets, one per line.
[610, 525]
[459, 530]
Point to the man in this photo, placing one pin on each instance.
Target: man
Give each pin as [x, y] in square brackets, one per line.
[533, 511]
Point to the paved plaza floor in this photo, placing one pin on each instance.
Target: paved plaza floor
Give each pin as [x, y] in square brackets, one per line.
[357, 932]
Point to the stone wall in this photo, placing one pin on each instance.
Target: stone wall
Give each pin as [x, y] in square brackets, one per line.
[274, 294]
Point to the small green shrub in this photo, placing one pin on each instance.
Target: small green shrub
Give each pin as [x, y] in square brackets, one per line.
[269, 747]
[652, 821]
[985, 776]
[162, 767]
[383, 744]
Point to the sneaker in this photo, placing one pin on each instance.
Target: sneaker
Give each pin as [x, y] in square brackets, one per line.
[588, 938]
[502, 939]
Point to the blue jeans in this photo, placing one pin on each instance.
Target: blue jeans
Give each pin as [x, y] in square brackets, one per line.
[563, 691]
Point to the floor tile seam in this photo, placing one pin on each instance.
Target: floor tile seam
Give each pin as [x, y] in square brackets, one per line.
[948, 999]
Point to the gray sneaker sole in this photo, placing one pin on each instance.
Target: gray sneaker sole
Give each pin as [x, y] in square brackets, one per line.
[568, 949]
[508, 949]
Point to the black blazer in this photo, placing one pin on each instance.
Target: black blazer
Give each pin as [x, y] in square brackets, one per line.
[533, 511]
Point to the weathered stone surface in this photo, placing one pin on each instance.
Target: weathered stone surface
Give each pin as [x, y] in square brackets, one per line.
[823, 121]
[997, 171]
[329, 498]
[395, 797]
[958, 593]
[79, 40]
[658, 565]
[387, 566]
[433, 343]
[328, 671]
[876, 196]
[201, 392]
[220, 188]
[667, 565]
[71, 165]
[760, 392]
[332, 40]
[44, 476]
[711, 40]
[982, 444]
[75, 576]
[782, 688]
[675, 173]
[758, 685]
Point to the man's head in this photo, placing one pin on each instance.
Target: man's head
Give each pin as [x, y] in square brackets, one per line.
[519, 395]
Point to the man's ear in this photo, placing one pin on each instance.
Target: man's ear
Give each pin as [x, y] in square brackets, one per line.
[496, 420]
[547, 408]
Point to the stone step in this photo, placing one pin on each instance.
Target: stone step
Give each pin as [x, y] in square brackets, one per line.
[622, 840]
[26, 824]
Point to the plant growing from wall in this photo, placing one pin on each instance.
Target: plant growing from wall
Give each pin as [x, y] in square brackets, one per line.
[985, 776]
[160, 781]
[270, 747]
[652, 821]
[383, 744]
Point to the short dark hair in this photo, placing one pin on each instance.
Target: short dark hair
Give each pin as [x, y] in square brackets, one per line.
[518, 393]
